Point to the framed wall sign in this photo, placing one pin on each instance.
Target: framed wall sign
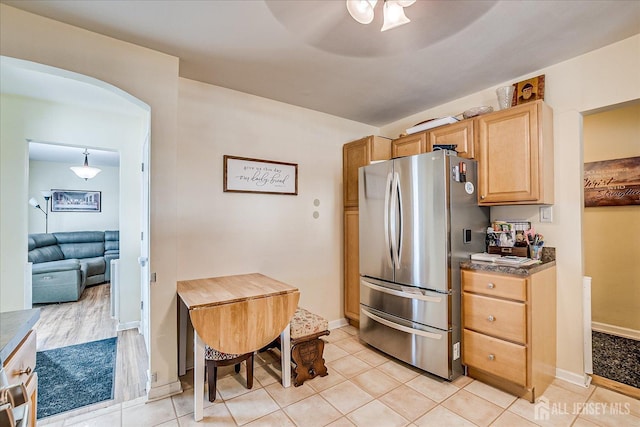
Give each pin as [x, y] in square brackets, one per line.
[245, 175]
[612, 182]
[76, 201]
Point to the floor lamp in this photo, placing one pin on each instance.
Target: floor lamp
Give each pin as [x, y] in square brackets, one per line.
[33, 202]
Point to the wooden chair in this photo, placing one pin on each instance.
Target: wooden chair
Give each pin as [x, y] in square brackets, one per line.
[214, 358]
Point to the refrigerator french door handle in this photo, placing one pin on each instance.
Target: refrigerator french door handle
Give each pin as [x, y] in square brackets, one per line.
[400, 327]
[399, 293]
[394, 220]
[387, 195]
[400, 224]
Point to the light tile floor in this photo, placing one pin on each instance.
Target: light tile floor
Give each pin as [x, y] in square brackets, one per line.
[364, 388]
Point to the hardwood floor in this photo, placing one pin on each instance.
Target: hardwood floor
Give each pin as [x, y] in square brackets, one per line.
[89, 319]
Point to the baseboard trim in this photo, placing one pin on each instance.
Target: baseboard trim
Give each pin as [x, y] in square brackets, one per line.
[335, 324]
[616, 386]
[128, 325]
[583, 380]
[616, 330]
[163, 391]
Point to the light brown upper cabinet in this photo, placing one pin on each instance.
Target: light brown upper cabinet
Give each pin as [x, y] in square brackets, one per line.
[460, 134]
[515, 155]
[409, 145]
[356, 154]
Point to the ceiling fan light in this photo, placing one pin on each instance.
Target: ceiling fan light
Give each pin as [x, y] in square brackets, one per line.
[406, 3]
[361, 10]
[394, 15]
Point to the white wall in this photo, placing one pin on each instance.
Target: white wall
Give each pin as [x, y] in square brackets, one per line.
[599, 79]
[58, 176]
[152, 78]
[232, 233]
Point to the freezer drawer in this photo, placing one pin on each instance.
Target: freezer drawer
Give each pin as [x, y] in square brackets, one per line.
[427, 348]
[410, 303]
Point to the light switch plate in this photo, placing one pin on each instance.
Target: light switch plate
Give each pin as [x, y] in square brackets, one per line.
[546, 213]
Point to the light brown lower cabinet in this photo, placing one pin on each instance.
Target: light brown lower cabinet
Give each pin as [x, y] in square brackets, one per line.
[351, 266]
[509, 335]
[19, 368]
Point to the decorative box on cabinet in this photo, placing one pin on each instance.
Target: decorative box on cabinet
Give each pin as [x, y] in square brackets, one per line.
[355, 155]
[509, 330]
[515, 155]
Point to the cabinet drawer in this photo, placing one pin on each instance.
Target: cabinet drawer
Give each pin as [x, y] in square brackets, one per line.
[495, 285]
[21, 363]
[496, 317]
[495, 356]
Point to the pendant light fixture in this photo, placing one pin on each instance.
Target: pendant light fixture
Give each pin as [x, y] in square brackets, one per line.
[86, 172]
[392, 11]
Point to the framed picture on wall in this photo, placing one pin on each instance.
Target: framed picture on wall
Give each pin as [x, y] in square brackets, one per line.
[528, 90]
[613, 182]
[76, 201]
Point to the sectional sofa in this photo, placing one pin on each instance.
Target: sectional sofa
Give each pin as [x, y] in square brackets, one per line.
[63, 264]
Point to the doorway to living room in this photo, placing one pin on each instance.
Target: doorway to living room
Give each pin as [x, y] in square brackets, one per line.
[72, 119]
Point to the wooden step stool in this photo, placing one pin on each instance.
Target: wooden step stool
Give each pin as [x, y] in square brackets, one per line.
[306, 345]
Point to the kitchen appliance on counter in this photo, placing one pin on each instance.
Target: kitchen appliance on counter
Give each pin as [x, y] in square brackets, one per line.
[419, 219]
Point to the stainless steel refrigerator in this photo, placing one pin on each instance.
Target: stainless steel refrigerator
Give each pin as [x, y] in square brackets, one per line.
[418, 219]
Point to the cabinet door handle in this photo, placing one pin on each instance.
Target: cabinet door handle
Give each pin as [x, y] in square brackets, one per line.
[490, 285]
[24, 371]
[482, 197]
[491, 318]
[492, 357]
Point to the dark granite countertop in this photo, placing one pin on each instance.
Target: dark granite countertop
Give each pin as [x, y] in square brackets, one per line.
[14, 326]
[548, 261]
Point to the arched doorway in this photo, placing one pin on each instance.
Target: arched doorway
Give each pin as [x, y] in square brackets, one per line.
[39, 103]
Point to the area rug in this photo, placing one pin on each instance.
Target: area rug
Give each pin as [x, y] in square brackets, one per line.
[75, 376]
[616, 358]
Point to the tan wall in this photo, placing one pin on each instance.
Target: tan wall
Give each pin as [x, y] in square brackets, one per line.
[610, 233]
[222, 233]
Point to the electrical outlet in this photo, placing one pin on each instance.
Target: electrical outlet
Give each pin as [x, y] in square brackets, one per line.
[154, 377]
[456, 351]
